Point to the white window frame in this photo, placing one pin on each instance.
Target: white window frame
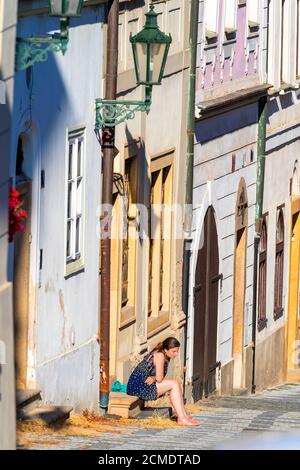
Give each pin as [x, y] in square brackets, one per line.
[298, 39]
[230, 15]
[285, 46]
[74, 258]
[211, 17]
[253, 12]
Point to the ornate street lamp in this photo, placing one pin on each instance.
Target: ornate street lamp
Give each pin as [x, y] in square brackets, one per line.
[150, 49]
[31, 50]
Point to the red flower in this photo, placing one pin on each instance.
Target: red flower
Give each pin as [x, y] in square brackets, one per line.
[16, 214]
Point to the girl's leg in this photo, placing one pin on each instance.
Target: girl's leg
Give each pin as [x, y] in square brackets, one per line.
[176, 398]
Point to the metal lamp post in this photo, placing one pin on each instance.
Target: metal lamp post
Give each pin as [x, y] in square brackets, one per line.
[150, 49]
[35, 49]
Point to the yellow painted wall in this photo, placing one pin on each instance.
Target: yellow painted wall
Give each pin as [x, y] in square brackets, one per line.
[292, 331]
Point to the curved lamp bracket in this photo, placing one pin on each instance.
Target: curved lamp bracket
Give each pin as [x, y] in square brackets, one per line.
[32, 50]
[110, 113]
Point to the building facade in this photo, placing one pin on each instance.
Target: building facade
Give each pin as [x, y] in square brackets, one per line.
[278, 338]
[231, 81]
[146, 284]
[56, 165]
[8, 14]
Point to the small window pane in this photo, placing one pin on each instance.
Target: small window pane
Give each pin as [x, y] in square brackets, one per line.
[79, 158]
[68, 238]
[280, 228]
[263, 239]
[69, 211]
[77, 243]
[211, 15]
[70, 172]
[74, 216]
[79, 197]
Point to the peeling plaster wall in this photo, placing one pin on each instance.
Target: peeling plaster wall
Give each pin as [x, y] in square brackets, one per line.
[8, 13]
[217, 139]
[51, 98]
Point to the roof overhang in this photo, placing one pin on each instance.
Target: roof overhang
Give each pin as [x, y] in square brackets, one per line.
[209, 108]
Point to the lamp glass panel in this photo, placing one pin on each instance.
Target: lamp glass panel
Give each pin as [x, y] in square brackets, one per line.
[157, 52]
[65, 7]
[141, 50]
[56, 7]
[72, 7]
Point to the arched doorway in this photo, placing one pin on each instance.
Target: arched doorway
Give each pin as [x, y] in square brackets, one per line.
[22, 265]
[206, 292]
[293, 306]
[241, 223]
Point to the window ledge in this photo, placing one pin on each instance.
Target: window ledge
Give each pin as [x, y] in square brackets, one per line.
[230, 34]
[127, 316]
[282, 89]
[159, 323]
[74, 268]
[210, 34]
[261, 324]
[229, 41]
[278, 313]
[252, 36]
[211, 38]
[253, 27]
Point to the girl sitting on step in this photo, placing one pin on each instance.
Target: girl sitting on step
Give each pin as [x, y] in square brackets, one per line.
[147, 381]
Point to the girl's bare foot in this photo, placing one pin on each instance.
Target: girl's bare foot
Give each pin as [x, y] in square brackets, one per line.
[194, 422]
[188, 422]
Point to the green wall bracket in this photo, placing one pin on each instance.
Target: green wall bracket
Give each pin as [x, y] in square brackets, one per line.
[110, 113]
[32, 50]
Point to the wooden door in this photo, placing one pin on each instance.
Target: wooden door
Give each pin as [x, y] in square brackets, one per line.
[206, 311]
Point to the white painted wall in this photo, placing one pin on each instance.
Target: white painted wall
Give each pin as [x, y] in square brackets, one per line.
[215, 184]
[283, 151]
[63, 351]
[8, 12]
[282, 47]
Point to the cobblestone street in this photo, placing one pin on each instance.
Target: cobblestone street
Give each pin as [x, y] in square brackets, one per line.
[223, 419]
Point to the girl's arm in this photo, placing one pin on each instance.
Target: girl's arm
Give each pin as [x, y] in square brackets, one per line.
[159, 361]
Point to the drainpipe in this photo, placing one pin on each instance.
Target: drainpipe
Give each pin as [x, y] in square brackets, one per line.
[108, 144]
[189, 173]
[260, 179]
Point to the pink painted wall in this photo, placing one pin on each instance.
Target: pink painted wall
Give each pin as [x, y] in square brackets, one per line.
[223, 71]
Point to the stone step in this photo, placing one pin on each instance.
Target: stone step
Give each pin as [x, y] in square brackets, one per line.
[124, 405]
[239, 392]
[48, 414]
[27, 397]
[162, 412]
[30, 408]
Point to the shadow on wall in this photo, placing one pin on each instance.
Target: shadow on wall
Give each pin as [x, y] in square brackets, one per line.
[143, 187]
[5, 181]
[40, 100]
[273, 108]
[286, 100]
[226, 123]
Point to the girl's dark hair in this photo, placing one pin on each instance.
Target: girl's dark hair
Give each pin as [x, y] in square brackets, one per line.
[167, 344]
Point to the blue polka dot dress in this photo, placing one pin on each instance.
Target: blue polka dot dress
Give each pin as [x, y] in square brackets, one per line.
[136, 384]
